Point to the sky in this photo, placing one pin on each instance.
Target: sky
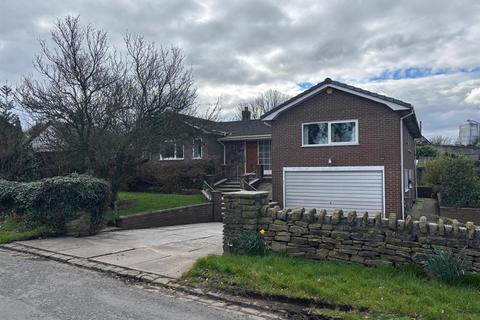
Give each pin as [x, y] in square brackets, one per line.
[426, 52]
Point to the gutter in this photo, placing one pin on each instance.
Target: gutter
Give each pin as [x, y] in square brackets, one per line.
[402, 174]
[250, 137]
[224, 152]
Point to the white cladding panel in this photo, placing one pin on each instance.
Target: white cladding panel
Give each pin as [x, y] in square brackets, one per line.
[360, 190]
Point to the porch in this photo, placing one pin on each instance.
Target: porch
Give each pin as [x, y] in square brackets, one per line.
[250, 157]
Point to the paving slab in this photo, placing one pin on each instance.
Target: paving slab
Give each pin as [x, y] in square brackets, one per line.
[167, 251]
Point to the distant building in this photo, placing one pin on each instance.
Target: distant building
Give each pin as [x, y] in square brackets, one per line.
[469, 132]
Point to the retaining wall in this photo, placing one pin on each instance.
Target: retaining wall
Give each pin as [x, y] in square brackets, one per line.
[205, 212]
[461, 214]
[346, 236]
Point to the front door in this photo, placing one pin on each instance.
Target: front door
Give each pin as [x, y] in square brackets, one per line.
[234, 159]
[251, 153]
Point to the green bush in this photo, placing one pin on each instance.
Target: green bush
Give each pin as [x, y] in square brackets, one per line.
[446, 266]
[171, 176]
[251, 243]
[426, 151]
[57, 201]
[456, 179]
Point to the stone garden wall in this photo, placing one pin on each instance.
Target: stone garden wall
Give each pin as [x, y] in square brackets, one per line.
[346, 236]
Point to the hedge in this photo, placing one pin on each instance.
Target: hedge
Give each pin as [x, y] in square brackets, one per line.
[455, 177]
[58, 200]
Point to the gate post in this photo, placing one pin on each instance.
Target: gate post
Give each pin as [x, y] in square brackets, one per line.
[217, 206]
[243, 210]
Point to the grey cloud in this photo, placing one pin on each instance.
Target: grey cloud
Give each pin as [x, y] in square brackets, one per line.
[237, 48]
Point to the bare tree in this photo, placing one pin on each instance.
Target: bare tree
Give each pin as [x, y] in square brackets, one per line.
[104, 108]
[214, 111]
[264, 102]
[442, 140]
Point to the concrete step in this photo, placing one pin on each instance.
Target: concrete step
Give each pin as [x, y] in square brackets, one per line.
[228, 188]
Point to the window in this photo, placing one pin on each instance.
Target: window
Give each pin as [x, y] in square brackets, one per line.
[146, 155]
[315, 133]
[197, 149]
[171, 151]
[265, 155]
[330, 133]
[408, 179]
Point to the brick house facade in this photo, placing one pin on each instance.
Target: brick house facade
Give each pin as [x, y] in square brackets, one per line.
[362, 156]
[379, 141]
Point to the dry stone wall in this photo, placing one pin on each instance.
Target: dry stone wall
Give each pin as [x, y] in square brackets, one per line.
[346, 236]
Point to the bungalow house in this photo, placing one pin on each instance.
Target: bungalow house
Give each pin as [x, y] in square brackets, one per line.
[331, 146]
[238, 147]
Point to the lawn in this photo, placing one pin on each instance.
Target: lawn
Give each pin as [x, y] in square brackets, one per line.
[137, 202]
[15, 229]
[373, 293]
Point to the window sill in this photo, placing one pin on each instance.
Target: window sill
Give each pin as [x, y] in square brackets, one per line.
[197, 158]
[171, 159]
[330, 145]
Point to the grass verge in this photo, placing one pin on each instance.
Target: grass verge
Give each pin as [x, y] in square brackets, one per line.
[349, 291]
[16, 229]
[137, 202]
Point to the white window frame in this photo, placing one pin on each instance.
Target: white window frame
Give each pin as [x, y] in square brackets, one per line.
[330, 143]
[201, 149]
[265, 172]
[147, 155]
[175, 152]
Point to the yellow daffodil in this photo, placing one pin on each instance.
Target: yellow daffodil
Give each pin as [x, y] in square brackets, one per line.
[262, 232]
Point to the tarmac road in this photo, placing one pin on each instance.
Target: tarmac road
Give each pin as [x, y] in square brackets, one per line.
[34, 288]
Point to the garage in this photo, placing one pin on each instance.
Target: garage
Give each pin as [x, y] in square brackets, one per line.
[349, 188]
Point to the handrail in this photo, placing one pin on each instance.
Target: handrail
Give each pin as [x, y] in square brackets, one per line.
[207, 190]
[205, 184]
[246, 183]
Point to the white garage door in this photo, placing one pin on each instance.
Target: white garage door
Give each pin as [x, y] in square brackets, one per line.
[347, 188]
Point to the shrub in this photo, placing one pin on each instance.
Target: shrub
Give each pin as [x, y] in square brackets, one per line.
[426, 151]
[456, 179]
[251, 243]
[171, 176]
[446, 266]
[58, 200]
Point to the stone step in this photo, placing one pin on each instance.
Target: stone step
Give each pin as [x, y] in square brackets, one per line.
[229, 189]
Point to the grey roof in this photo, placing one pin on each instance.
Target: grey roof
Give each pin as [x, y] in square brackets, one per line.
[343, 85]
[230, 129]
[411, 121]
[244, 128]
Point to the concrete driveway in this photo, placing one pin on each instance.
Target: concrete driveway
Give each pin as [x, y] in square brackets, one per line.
[167, 251]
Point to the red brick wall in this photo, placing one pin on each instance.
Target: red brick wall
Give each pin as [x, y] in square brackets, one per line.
[212, 151]
[169, 217]
[379, 141]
